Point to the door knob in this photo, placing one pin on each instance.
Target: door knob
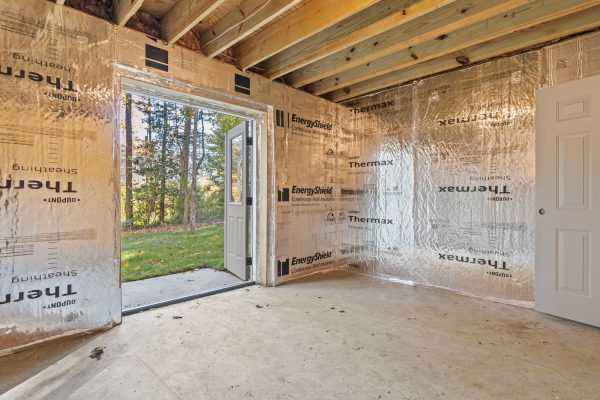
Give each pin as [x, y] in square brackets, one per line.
[542, 211]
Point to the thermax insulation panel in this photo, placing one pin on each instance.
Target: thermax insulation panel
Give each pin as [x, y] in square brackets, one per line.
[58, 189]
[438, 179]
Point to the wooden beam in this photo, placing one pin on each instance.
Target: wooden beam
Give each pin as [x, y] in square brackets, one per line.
[435, 24]
[248, 17]
[123, 10]
[373, 21]
[552, 30]
[484, 31]
[308, 20]
[183, 16]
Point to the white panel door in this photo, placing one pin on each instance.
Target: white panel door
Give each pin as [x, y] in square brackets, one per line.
[567, 270]
[235, 202]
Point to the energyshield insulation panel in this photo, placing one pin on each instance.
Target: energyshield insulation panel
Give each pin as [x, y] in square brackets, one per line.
[309, 212]
[58, 193]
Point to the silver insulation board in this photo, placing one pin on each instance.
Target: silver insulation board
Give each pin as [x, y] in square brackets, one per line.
[59, 153]
[440, 174]
[59, 269]
[356, 187]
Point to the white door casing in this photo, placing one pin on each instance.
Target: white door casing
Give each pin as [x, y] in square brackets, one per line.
[567, 266]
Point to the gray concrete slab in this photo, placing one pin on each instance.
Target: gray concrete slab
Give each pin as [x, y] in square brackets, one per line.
[333, 336]
[153, 290]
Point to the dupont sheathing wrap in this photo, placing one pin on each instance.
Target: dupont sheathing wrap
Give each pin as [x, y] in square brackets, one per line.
[59, 269]
[439, 174]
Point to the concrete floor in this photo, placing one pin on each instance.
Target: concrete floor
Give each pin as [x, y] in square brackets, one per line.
[333, 336]
[153, 290]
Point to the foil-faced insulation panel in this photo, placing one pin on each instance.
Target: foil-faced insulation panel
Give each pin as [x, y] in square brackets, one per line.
[59, 251]
[440, 174]
[59, 160]
[430, 182]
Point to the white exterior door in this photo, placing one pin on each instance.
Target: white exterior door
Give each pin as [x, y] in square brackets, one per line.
[567, 272]
[235, 202]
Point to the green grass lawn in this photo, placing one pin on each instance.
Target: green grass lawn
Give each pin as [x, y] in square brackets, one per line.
[148, 254]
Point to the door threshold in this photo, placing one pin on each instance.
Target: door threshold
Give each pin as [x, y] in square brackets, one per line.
[159, 304]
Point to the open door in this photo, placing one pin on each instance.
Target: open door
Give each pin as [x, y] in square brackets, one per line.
[567, 272]
[235, 201]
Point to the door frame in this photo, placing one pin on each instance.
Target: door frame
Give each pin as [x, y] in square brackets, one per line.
[135, 81]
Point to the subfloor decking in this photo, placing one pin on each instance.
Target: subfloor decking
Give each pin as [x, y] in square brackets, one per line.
[333, 336]
[167, 287]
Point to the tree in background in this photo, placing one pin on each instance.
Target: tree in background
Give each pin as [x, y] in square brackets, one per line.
[128, 156]
[215, 160]
[178, 166]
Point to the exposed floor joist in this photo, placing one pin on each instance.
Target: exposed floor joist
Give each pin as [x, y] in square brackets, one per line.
[183, 16]
[125, 9]
[436, 24]
[372, 21]
[242, 22]
[545, 32]
[341, 49]
[484, 31]
[308, 20]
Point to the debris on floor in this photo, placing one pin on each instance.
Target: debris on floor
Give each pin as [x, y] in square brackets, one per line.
[97, 353]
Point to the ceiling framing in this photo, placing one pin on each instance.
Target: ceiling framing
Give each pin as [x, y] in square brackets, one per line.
[341, 49]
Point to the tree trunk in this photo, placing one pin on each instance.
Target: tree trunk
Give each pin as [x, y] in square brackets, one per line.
[128, 156]
[192, 224]
[149, 109]
[184, 166]
[163, 167]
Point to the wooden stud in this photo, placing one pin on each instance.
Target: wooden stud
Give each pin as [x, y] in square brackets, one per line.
[490, 29]
[435, 24]
[551, 30]
[371, 22]
[308, 20]
[123, 10]
[242, 22]
[183, 16]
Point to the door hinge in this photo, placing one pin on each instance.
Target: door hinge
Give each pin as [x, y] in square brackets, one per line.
[248, 201]
[248, 260]
[249, 140]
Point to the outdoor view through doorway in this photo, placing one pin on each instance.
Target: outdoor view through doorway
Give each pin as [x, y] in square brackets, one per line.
[182, 169]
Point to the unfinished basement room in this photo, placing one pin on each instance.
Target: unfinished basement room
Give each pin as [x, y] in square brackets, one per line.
[300, 199]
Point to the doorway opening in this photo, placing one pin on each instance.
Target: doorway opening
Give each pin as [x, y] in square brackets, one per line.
[186, 209]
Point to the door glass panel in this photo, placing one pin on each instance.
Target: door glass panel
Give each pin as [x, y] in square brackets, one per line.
[236, 170]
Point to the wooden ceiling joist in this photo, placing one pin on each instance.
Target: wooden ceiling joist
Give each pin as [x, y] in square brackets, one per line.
[484, 31]
[123, 10]
[306, 21]
[433, 25]
[555, 29]
[372, 21]
[244, 20]
[183, 16]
